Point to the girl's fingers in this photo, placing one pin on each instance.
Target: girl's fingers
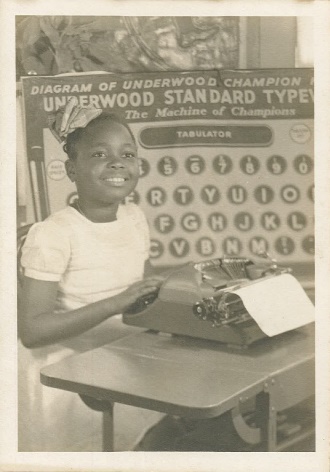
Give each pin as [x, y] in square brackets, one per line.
[150, 283]
[154, 280]
[150, 289]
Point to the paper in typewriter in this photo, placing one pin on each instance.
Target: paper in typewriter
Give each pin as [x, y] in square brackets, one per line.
[277, 304]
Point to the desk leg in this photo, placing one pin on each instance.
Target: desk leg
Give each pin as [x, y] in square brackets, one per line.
[106, 407]
[266, 421]
[108, 430]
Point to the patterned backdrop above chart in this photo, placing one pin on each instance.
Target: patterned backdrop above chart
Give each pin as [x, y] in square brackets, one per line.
[48, 45]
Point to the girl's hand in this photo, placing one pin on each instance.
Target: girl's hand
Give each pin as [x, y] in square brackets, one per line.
[40, 326]
[137, 290]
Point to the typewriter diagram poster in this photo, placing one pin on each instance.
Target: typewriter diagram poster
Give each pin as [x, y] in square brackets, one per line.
[226, 157]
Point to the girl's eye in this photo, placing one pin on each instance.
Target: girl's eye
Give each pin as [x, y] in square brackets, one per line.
[129, 155]
[100, 154]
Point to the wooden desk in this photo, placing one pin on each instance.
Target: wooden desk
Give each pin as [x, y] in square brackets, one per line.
[193, 378]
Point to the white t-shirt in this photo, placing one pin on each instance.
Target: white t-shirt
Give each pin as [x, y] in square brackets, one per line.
[91, 261]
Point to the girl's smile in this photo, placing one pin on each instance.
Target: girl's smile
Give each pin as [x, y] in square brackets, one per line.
[116, 181]
[116, 178]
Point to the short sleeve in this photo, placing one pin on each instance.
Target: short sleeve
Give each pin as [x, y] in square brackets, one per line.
[46, 251]
[143, 229]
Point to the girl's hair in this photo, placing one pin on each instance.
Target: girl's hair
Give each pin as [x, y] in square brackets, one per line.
[74, 137]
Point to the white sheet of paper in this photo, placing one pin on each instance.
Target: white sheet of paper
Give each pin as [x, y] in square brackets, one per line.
[277, 304]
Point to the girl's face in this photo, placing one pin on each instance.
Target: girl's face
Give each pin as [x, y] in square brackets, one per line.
[106, 168]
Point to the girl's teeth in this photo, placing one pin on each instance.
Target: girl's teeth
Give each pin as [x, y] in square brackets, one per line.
[115, 180]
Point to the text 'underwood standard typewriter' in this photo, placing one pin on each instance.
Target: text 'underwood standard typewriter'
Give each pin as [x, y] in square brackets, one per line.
[232, 300]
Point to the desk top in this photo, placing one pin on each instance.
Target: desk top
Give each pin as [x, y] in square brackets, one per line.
[180, 375]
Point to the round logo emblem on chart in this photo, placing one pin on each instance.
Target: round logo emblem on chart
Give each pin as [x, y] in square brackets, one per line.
[300, 133]
[56, 170]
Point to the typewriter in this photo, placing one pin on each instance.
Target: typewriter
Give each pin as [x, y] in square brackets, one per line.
[231, 300]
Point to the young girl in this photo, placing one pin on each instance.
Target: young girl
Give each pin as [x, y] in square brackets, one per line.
[82, 265]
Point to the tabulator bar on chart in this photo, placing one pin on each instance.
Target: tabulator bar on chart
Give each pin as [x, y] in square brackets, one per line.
[208, 135]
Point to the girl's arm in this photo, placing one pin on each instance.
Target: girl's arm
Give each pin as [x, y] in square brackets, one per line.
[40, 326]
